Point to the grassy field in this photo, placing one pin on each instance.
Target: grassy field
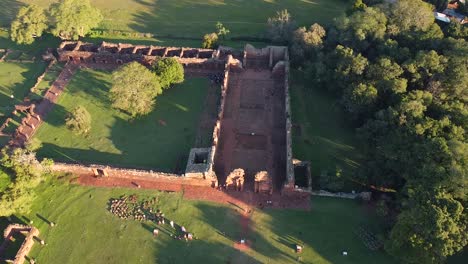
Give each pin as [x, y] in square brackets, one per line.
[160, 140]
[320, 132]
[16, 79]
[196, 17]
[87, 233]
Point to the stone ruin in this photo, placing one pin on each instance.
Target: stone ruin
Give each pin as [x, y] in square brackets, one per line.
[263, 182]
[27, 244]
[235, 180]
[112, 53]
[201, 161]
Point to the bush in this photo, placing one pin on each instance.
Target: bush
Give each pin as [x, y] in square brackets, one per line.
[169, 71]
[79, 120]
[210, 41]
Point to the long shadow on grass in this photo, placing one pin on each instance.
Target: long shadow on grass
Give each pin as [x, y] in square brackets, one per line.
[210, 246]
[237, 228]
[93, 82]
[90, 156]
[8, 11]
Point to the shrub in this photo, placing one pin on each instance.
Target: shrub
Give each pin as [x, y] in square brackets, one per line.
[79, 120]
[210, 41]
[169, 71]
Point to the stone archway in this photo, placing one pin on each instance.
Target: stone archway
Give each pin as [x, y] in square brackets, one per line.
[235, 180]
[263, 182]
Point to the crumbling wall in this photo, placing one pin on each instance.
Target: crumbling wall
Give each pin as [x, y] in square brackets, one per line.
[134, 174]
[230, 64]
[27, 243]
[119, 53]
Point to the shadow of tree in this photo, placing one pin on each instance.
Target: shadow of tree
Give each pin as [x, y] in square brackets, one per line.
[209, 245]
[8, 11]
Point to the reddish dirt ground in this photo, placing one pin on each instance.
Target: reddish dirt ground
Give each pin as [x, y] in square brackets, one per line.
[243, 199]
[253, 130]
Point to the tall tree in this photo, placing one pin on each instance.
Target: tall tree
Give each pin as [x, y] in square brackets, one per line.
[134, 89]
[74, 18]
[306, 42]
[281, 27]
[30, 22]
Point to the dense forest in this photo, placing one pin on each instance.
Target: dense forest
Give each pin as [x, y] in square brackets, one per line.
[403, 80]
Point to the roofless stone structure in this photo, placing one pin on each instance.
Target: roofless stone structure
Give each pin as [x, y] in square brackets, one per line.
[252, 131]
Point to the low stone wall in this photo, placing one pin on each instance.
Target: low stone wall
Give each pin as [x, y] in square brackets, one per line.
[133, 174]
[363, 195]
[27, 244]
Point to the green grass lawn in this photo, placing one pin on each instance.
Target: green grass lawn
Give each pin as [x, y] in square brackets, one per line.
[16, 79]
[87, 233]
[321, 133]
[160, 140]
[197, 17]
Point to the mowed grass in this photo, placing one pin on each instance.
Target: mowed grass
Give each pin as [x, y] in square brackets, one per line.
[16, 79]
[160, 140]
[86, 232]
[321, 133]
[197, 17]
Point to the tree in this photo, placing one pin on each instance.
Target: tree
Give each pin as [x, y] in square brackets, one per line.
[134, 89]
[404, 86]
[28, 173]
[362, 29]
[221, 30]
[281, 27]
[74, 18]
[402, 16]
[306, 42]
[30, 22]
[79, 120]
[169, 71]
[210, 41]
[432, 227]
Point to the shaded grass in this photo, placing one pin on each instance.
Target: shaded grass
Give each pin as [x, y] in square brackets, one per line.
[16, 79]
[159, 140]
[14, 245]
[86, 232]
[324, 233]
[198, 17]
[321, 133]
[48, 80]
[34, 50]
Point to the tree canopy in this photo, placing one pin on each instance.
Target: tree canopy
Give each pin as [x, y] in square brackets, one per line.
[281, 27]
[30, 22]
[405, 86]
[169, 71]
[79, 120]
[74, 18]
[27, 172]
[210, 41]
[134, 89]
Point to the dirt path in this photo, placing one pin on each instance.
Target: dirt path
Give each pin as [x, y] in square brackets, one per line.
[245, 199]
